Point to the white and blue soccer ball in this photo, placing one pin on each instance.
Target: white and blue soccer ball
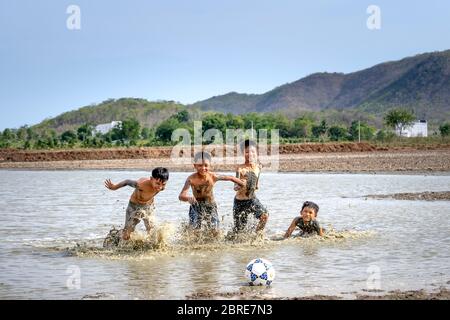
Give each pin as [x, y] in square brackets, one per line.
[260, 272]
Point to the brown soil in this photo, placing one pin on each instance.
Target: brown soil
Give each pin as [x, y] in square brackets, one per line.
[441, 294]
[427, 196]
[14, 155]
[338, 157]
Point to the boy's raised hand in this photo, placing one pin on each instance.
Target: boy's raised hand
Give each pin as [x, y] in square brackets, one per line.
[110, 185]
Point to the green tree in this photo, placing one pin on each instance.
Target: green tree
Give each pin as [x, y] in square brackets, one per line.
[214, 121]
[444, 129]
[165, 129]
[8, 134]
[399, 119]
[84, 131]
[22, 133]
[131, 129]
[69, 137]
[356, 128]
[320, 130]
[254, 118]
[302, 127]
[276, 121]
[182, 116]
[337, 133]
[146, 133]
[234, 121]
[31, 135]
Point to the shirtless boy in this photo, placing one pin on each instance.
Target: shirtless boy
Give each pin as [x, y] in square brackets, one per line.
[203, 207]
[245, 201]
[141, 205]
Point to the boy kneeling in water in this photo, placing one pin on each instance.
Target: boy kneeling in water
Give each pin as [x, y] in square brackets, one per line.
[141, 205]
[306, 222]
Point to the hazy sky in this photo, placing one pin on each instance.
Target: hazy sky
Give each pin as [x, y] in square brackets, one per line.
[190, 50]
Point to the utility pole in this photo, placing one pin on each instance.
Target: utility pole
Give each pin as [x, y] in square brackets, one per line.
[359, 131]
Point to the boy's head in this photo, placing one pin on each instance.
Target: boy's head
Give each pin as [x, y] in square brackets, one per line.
[309, 211]
[159, 178]
[202, 162]
[249, 148]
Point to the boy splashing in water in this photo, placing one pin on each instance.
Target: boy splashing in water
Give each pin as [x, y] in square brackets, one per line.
[203, 207]
[245, 201]
[141, 205]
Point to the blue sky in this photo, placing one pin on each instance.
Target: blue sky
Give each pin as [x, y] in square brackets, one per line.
[190, 50]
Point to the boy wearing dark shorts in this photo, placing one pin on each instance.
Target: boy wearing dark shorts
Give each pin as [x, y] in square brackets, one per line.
[203, 209]
[245, 202]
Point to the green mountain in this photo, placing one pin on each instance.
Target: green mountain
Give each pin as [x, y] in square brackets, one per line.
[148, 113]
[420, 83]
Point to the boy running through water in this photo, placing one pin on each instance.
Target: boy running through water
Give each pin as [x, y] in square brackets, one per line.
[141, 205]
[245, 201]
[203, 206]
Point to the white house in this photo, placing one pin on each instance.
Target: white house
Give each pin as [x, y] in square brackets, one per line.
[105, 127]
[417, 129]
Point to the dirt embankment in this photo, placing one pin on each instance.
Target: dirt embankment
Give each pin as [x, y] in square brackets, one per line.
[426, 196]
[14, 155]
[440, 294]
[329, 157]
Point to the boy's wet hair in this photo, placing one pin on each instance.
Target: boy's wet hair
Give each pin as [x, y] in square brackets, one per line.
[312, 205]
[202, 155]
[248, 143]
[160, 174]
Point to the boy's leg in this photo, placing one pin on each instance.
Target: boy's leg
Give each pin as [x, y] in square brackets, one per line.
[262, 222]
[239, 215]
[194, 217]
[261, 214]
[131, 220]
[147, 217]
[149, 225]
[213, 221]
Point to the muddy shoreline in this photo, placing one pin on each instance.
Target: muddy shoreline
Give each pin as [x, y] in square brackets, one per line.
[417, 161]
[424, 196]
[247, 294]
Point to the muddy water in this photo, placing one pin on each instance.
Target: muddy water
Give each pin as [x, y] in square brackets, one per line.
[377, 245]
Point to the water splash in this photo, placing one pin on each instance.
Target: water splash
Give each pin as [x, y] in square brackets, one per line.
[167, 239]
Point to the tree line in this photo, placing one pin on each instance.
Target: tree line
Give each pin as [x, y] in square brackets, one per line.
[131, 133]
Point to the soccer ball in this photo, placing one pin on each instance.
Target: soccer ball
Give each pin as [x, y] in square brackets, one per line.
[260, 272]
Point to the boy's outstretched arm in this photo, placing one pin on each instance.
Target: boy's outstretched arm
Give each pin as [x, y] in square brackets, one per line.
[184, 193]
[238, 176]
[291, 228]
[321, 232]
[112, 186]
[229, 178]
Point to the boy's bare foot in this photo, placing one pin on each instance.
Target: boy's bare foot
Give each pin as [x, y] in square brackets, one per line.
[126, 234]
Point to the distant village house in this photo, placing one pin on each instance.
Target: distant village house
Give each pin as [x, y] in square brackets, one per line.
[106, 127]
[417, 129]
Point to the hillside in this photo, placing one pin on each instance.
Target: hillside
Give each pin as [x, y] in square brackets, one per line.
[148, 113]
[421, 83]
